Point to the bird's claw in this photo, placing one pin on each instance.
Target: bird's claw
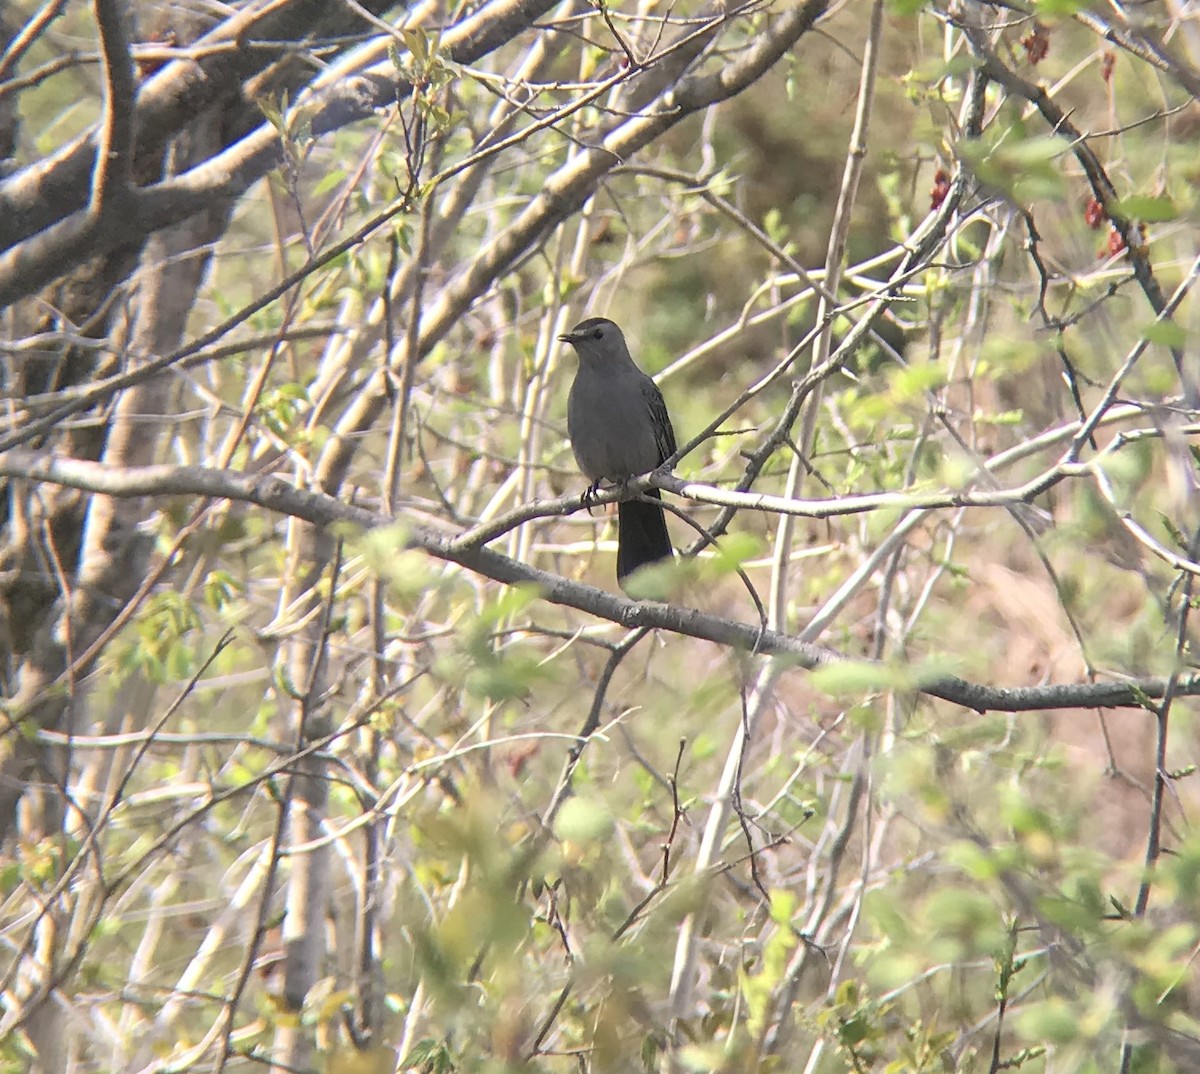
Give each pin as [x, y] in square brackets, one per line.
[588, 499]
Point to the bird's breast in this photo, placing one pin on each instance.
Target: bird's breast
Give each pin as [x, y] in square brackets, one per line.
[611, 428]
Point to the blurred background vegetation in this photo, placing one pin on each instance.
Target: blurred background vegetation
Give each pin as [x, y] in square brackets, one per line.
[300, 797]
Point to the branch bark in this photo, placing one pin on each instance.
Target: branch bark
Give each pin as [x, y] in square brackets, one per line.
[321, 510]
[48, 226]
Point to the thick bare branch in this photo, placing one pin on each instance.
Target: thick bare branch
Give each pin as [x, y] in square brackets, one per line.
[564, 192]
[320, 510]
[113, 171]
[67, 233]
[28, 34]
[1103, 189]
[38, 196]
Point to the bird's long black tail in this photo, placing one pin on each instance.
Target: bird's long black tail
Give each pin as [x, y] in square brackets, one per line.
[641, 535]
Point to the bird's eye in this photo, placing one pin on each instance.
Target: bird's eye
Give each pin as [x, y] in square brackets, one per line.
[598, 334]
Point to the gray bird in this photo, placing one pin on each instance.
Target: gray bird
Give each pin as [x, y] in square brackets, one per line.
[619, 428]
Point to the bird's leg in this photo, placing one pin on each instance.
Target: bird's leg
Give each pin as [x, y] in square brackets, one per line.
[588, 498]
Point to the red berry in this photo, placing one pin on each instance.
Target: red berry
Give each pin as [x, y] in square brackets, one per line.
[1036, 43]
[941, 187]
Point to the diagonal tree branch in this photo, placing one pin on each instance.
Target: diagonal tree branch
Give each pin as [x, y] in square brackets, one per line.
[32, 30]
[1102, 186]
[34, 255]
[567, 190]
[235, 50]
[277, 495]
[113, 171]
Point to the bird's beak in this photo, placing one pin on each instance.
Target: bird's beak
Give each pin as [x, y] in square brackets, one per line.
[567, 337]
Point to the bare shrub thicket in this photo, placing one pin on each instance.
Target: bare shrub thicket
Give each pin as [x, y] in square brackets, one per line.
[328, 742]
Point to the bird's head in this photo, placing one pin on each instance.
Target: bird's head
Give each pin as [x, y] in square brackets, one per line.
[597, 339]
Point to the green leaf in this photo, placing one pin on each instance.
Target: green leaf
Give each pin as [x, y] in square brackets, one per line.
[975, 861]
[221, 588]
[328, 181]
[653, 581]
[417, 42]
[783, 906]
[855, 1030]
[1167, 333]
[733, 550]
[504, 676]
[914, 380]
[581, 820]
[1050, 1021]
[432, 1056]
[1059, 8]
[1152, 210]
[856, 677]
[1029, 152]
[506, 604]
[1027, 168]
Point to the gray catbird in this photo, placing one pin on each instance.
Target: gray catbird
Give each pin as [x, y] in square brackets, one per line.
[619, 428]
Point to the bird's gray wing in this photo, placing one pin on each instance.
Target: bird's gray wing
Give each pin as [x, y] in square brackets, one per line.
[664, 434]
